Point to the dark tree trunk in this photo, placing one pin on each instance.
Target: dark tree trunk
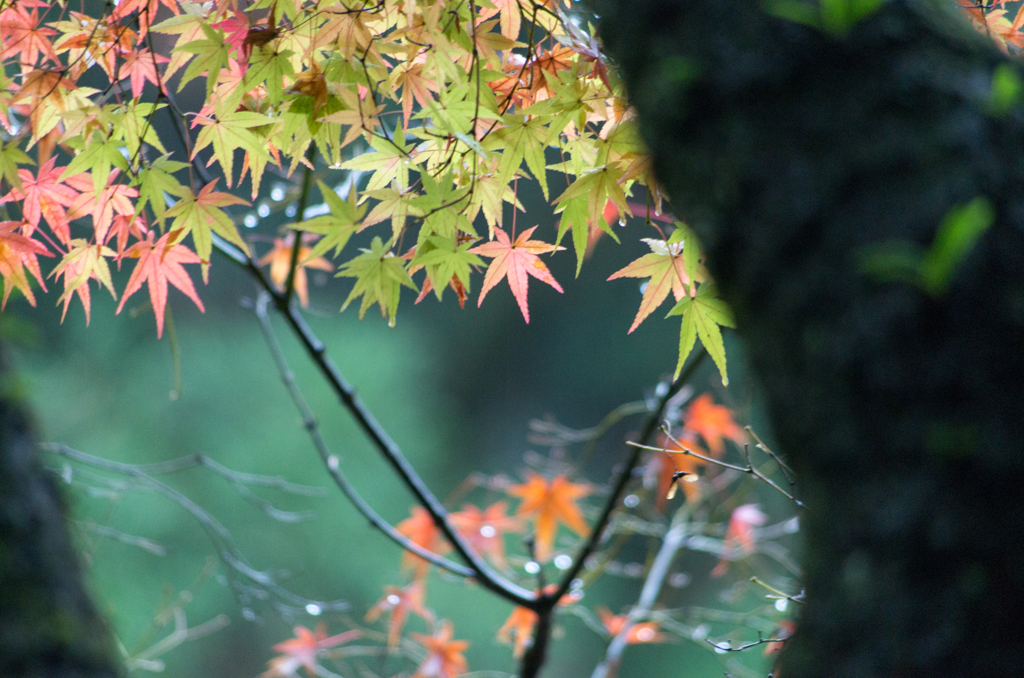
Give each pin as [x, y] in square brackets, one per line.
[48, 626]
[790, 150]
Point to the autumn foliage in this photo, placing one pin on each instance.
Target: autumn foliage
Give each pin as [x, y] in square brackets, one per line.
[137, 135]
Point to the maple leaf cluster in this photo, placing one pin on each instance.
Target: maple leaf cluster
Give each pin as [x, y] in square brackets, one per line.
[437, 109]
[545, 503]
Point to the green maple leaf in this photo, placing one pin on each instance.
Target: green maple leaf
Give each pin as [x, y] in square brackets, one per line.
[155, 180]
[444, 259]
[270, 67]
[134, 126]
[211, 56]
[599, 186]
[390, 160]
[336, 227]
[524, 137]
[702, 316]
[441, 202]
[10, 157]
[97, 156]
[201, 214]
[380, 276]
[229, 131]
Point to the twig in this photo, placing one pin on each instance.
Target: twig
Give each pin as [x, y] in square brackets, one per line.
[331, 461]
[219, 535]
[674, 539]
[748, 469]
[745, 646]
[625, 475]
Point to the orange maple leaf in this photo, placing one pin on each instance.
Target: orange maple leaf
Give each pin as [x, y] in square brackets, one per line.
[712, 422]
[645, 632]
[740, 533]
[399, 602]
[666, 465]
[444, 655]
[422, 531]
[666, 270]
[302, 651]
[158, 265]
[18, 253]
[518, 629]
[515, 260]
[550, 503]
[519, 625]
[83, 262]
[280, 260]
[484, 530]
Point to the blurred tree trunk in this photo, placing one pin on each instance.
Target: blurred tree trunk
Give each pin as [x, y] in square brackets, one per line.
[48, 626]
[790, 150]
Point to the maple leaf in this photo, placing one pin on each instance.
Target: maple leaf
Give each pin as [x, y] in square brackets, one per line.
[228, 132]
[337, 226]
[201, 214]
[665, 465]
[666, 268]
[280, 260]
[21, 34]
[84, 261]
[521, 622]
[646, 632]
[444, 655]
[379, 276]
[111, 198]
[447, 261]
[302, 651]
[740, 533]
[484, 530]
[518, 628]
[17, 253]
[140, 66]
[398, 603]
[549, 503]
[703, 313]
[160, 263]
[515, 260]
[421, 530]
[508, 13]
[713, 423]
[44, 196]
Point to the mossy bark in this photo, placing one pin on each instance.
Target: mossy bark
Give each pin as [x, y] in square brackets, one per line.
[790, 150]
[48, 626]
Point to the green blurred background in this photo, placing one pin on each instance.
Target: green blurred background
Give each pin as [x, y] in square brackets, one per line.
[455, 388]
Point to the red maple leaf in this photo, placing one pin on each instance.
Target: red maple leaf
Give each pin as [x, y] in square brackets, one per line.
[158, 265]
[113, 198]
[45, 196]
[515, 260]
[740, 533]
[21, 34]
[302, 650]
[140, 66]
